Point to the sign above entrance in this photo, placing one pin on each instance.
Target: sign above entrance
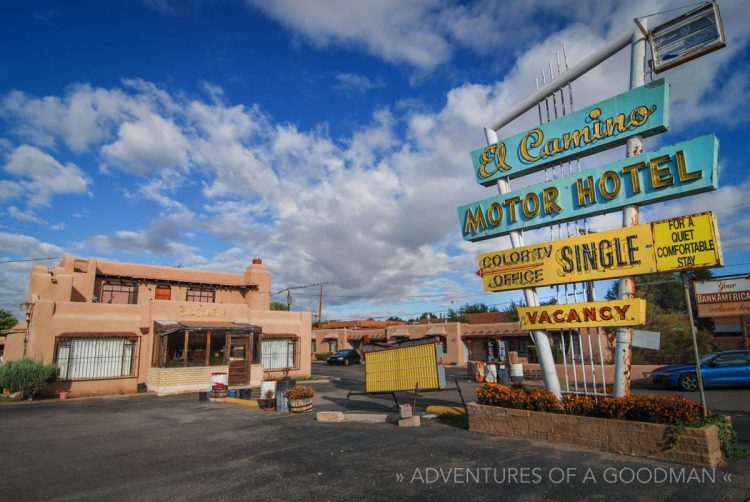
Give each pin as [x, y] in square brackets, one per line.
[679, 170]
[613, 313]
[643, 111]
[676, 244]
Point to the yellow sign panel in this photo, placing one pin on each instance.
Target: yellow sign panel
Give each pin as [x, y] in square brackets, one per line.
[687, 242]
[404, 368]
[584, 315]
[675, 244]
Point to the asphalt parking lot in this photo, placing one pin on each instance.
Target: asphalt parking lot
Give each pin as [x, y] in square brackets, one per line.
[148, 448]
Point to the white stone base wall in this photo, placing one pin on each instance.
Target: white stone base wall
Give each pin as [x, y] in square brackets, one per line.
[164, 381]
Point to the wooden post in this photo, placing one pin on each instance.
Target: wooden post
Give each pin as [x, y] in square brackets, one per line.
[185, 349]
[208, 348]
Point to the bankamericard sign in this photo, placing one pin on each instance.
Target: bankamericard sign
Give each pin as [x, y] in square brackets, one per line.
[643, 111]
[584, 315]
[675, 244]
[679, 170]
[723, 297]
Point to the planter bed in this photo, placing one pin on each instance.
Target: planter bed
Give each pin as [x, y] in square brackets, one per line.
[699, 446]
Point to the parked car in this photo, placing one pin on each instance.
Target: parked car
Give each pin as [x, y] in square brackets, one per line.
[345, 357]
[731, 367]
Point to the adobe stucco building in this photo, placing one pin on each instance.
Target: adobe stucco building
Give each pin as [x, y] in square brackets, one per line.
[121, 328]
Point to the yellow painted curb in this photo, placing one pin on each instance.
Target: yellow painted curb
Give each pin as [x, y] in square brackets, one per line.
[245, 402]
[452, 410]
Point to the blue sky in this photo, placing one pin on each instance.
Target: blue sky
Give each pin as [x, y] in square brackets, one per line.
[331, 138]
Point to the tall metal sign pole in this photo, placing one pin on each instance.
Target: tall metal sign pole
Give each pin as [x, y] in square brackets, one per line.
[543, 348]
[698, 375]
[630, 217]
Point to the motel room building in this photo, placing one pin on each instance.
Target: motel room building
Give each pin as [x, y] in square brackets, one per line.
[114, 327]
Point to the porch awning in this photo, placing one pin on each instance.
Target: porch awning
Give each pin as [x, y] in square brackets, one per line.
[359, 336]
[166, 327]
[494, 336]
[99, 334]
[278, 335]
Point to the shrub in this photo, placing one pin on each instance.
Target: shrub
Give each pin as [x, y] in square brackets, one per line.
[643, 408]
[300, 392]
[26, 375]
[322, 356]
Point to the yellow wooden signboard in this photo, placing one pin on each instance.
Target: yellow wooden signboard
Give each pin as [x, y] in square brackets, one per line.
[687, 242]
[405, 368]
[584, 315]
[675, 244]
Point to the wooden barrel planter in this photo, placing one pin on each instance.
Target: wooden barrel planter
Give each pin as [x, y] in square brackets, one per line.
[300, 405]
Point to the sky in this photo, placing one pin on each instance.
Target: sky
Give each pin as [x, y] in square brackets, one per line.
[330, 138]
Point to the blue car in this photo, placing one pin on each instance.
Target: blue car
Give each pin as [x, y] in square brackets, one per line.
[731, 367]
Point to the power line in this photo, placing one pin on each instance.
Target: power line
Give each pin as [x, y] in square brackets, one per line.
[33, 259]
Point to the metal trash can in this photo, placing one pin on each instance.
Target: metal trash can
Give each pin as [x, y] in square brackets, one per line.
[283, 385]
[503, 375]
[516, 373]
[246, 393]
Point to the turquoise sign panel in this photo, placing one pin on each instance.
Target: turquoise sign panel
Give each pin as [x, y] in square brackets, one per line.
[675, 171]
[643, 111]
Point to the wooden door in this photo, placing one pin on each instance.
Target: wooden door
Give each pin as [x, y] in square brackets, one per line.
[239, 359]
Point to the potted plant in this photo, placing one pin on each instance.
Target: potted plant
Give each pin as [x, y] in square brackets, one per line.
[267, 402]
[300, 399]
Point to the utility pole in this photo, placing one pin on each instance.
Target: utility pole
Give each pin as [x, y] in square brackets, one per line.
[320, 305]
[288, 292]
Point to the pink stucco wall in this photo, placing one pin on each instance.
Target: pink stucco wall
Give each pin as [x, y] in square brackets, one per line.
[61, 300]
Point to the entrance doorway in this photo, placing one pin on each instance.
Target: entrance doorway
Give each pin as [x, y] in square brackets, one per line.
[239, 360]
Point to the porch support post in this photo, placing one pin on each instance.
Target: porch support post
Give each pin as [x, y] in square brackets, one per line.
[185, 349]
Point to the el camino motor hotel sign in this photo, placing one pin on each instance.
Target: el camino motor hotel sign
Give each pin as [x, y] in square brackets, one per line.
[674, 171]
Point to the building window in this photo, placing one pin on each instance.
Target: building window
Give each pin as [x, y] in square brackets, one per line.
[119, 292]
[163, 293]
[96, 358]
[205, 295]
[279, 354]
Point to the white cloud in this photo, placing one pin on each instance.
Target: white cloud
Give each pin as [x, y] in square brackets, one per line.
[27, 216]
[373, 211]
[148, 145]
[43, 177]
[398, 32]
[15, 276]
[352, 83]
[160, 238]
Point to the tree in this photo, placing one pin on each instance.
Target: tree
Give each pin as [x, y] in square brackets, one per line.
[476, 308]
[279, 306]
[511, 311]
[457, 316]
[394, 318]
[666, 312]
[7, 320]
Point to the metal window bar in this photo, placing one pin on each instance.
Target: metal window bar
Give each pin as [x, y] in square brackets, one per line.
[280, 353]
[96, 358]
[601, 359]
[565, 361]
[583, 363]
[591, 359]
[573, 359]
